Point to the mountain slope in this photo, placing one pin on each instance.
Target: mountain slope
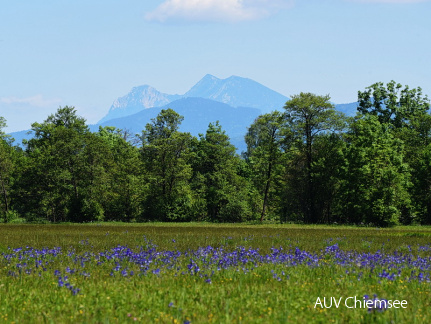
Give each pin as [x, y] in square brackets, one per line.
[238, 92]
[198, 113]
[139, 98]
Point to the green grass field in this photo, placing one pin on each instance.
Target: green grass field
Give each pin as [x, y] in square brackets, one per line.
[203, 273]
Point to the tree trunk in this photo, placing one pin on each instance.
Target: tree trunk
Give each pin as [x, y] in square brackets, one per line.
[310, 214]
[265, 197]
[4, 191]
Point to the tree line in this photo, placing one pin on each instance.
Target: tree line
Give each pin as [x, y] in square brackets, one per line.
[308, 163]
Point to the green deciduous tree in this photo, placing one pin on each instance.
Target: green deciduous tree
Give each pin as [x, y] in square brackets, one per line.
[266, 141]
[405, 111]
[216, 177]
[56, 152]
[6, 170]
[417, 147]
[326, 172]
[66, 173]
[376, 178]
[421, 189]
[308, 116]
[125, 188]
[166, 155]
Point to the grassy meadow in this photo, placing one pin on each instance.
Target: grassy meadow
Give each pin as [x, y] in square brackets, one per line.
[205, 273]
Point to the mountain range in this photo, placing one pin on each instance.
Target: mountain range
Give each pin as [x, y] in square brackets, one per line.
[233, 91]
[235, 102]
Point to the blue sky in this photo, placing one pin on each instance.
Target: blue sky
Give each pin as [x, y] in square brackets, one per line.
[88, 53]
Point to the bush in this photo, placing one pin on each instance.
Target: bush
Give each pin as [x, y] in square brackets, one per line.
[11, 216]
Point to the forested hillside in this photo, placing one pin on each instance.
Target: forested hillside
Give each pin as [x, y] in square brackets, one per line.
[309, 163]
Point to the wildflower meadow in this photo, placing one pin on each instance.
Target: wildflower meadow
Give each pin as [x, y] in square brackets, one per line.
[201, 273]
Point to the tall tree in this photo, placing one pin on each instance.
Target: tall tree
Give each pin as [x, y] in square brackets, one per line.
[54, 174]
[310, 115]
[124, 175]
[6, 169]
[216, 166]
[327, 171]
[421, 188]
[266, 140]
[166, 154]
[417, 147]
[376, 178]
[405, 111]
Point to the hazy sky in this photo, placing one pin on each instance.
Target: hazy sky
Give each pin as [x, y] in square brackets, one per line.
[88, 53]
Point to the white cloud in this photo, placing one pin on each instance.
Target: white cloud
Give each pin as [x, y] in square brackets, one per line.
[216, 10]
[37, 101]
